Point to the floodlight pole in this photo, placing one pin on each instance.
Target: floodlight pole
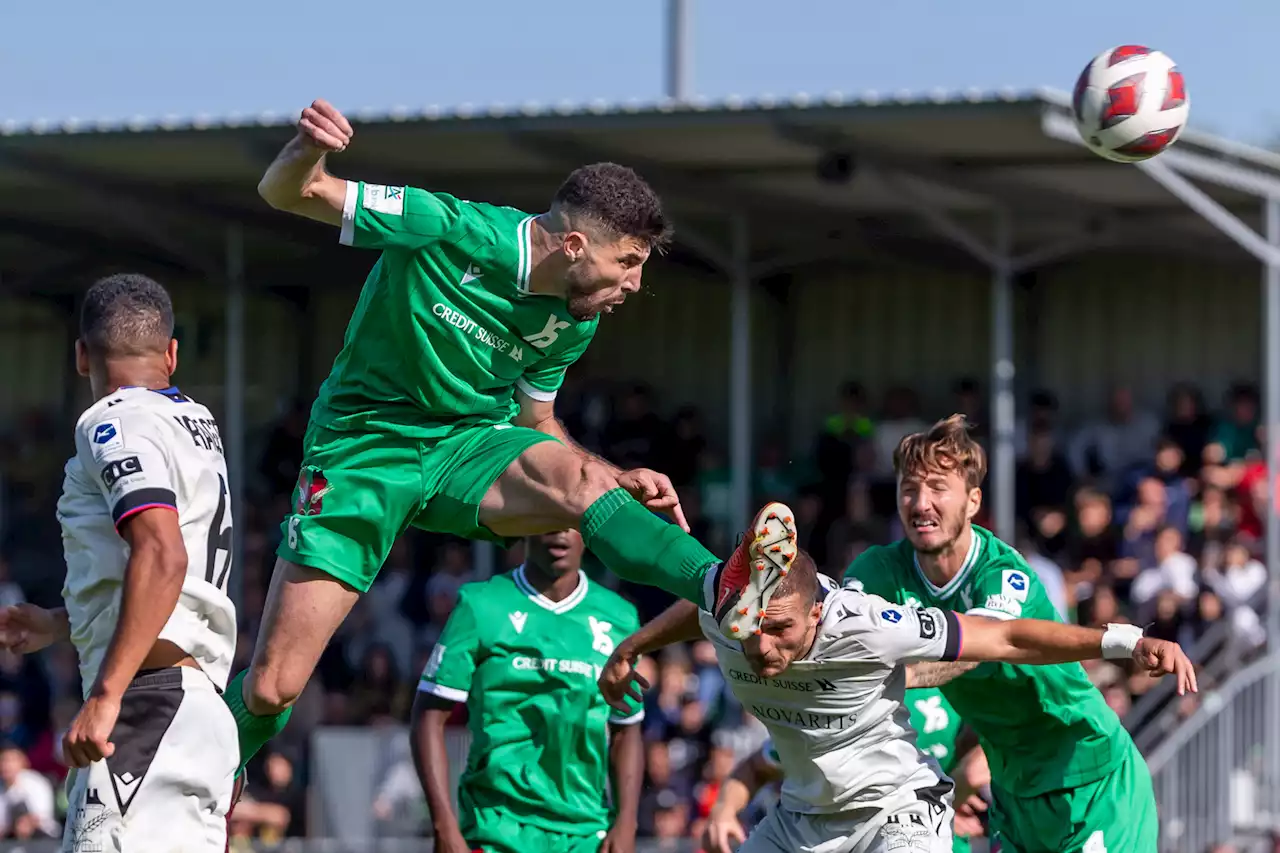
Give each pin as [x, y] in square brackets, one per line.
[740, 369]
[234, 442]
[679, 50]
[1003, 371]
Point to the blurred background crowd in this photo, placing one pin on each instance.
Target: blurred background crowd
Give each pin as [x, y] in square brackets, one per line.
[1153, 517]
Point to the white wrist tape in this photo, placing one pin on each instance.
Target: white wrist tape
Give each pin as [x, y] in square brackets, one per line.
[1119, 641]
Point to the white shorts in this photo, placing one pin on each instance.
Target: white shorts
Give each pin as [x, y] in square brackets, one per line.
[917, 826]
[168, 785]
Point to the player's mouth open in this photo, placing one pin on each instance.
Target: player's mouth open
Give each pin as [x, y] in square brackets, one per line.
[925, 525]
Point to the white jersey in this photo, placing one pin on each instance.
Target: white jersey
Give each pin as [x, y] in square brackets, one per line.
[138, 449]
[836, 719]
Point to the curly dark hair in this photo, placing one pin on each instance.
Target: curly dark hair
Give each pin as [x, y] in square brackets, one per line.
[126, 315]
[614, 198]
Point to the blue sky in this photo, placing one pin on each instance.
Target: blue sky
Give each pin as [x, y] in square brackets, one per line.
[76, 58]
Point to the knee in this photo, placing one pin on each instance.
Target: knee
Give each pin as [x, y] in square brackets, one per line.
[590, 481]
[269, 691]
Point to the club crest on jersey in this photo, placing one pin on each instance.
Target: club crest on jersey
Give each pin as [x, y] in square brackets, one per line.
[600, 639]
[891, 616]
[312, 487]
[550, 333]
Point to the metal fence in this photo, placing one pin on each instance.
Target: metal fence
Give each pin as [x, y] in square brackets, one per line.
[1217, 776]
[333, 845]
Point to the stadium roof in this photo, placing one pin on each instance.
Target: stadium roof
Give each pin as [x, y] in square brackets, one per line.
[817, 179]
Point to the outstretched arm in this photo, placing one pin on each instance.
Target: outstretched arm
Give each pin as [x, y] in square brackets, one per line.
[936, 674]
[1036, 641]
[723, 828]
[296, 182]
[619, 679]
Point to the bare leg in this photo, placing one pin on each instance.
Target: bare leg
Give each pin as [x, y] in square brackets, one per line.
[304, 608]
[547, 488]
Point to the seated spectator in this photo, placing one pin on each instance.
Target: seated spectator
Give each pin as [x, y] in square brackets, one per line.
[1174, 571]
[28, 796]
[1094, 543]
[1106, 448]
[1044, 480]
[1237, 433]
[1188, 424]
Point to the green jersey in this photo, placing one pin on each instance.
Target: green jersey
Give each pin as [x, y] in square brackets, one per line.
[1043, 728]
[936, 723]
[446, 328]
[527, 668]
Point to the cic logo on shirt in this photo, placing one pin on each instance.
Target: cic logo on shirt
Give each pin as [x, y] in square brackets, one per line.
[113, 472]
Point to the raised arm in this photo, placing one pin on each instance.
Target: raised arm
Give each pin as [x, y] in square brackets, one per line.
[296, 181]
[1039, 642]
[723, 827]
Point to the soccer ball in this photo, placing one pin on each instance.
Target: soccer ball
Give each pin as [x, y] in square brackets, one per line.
[1130, 103]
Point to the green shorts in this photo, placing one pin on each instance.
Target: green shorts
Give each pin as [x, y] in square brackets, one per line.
[490, 830]
[358, 491]
[1116, 814]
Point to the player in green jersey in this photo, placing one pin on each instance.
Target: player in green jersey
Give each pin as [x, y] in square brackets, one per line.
[439, 411]
[1066, 777]
[523, 651]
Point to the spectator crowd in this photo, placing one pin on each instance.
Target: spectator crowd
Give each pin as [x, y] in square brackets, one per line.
[1151, 517]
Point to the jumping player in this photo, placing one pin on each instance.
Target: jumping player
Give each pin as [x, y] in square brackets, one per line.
[824, 669]
[440, 409]
[1066, 777]
[523, 650]
[146, 526]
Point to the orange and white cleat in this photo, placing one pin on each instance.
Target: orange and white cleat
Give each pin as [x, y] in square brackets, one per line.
[751, 575]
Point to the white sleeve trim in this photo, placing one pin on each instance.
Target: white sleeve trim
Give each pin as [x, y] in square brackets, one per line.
[348, 235]
[533, 393]
[637, 717]
[453, 694]
[990, 614]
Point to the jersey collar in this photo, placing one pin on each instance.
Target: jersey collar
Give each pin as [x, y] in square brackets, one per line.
[573, 600]
[524, 264]
[975, 548]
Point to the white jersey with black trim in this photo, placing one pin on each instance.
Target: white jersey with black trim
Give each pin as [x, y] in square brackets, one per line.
[137, 449]
[836, 719]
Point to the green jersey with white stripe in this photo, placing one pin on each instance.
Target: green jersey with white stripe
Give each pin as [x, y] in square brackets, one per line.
[446, 328]
[527, 667]
[1043, 728]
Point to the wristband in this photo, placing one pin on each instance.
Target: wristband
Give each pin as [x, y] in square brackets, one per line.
[1119, 641]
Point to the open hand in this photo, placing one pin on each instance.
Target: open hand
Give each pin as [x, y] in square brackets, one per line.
[620, 681]
[655, 491]
[1161, 657]
[25, 628]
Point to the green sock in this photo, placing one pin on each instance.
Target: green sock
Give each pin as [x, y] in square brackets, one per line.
[254, 731]
[639, 546]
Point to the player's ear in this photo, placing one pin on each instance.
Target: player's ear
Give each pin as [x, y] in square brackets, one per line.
[171, 356]
[975, 503]
[574, 246]
[82, 358]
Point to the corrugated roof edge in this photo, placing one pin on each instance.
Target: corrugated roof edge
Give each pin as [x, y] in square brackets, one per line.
[1049, 98]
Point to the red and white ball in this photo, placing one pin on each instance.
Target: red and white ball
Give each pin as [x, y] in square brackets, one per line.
[1130, 103]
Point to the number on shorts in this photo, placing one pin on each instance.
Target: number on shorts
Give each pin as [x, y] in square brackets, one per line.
[1095, 844]
[219, 540]
[293, 532]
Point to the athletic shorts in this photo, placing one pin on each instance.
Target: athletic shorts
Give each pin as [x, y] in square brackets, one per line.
[918, 826]
[168, 785]
[490, 830]
[358, 491]
[1116, 814]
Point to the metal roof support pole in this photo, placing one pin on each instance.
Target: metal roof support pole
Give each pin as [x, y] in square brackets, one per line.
[233, 405]
[1271, 413]
[740, 409]
[1003, 371]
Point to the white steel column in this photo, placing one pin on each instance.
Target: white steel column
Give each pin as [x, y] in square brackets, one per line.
[1003, 423]
[740, 409]
[1271, 418]
[234, 442]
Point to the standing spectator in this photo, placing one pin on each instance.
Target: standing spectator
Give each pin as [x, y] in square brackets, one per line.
[1105, 449]
[1188, 424]
[1044, 478]
[1041, 416]
[1237, 433]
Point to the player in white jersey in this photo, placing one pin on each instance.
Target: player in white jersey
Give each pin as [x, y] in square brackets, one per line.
[824, 671]
[146, 529]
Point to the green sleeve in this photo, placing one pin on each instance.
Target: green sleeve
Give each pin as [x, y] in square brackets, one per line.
[375, 216]
[628, 623]
[1010, 590]
[542, 380]
[872, 572]
[453, 660]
